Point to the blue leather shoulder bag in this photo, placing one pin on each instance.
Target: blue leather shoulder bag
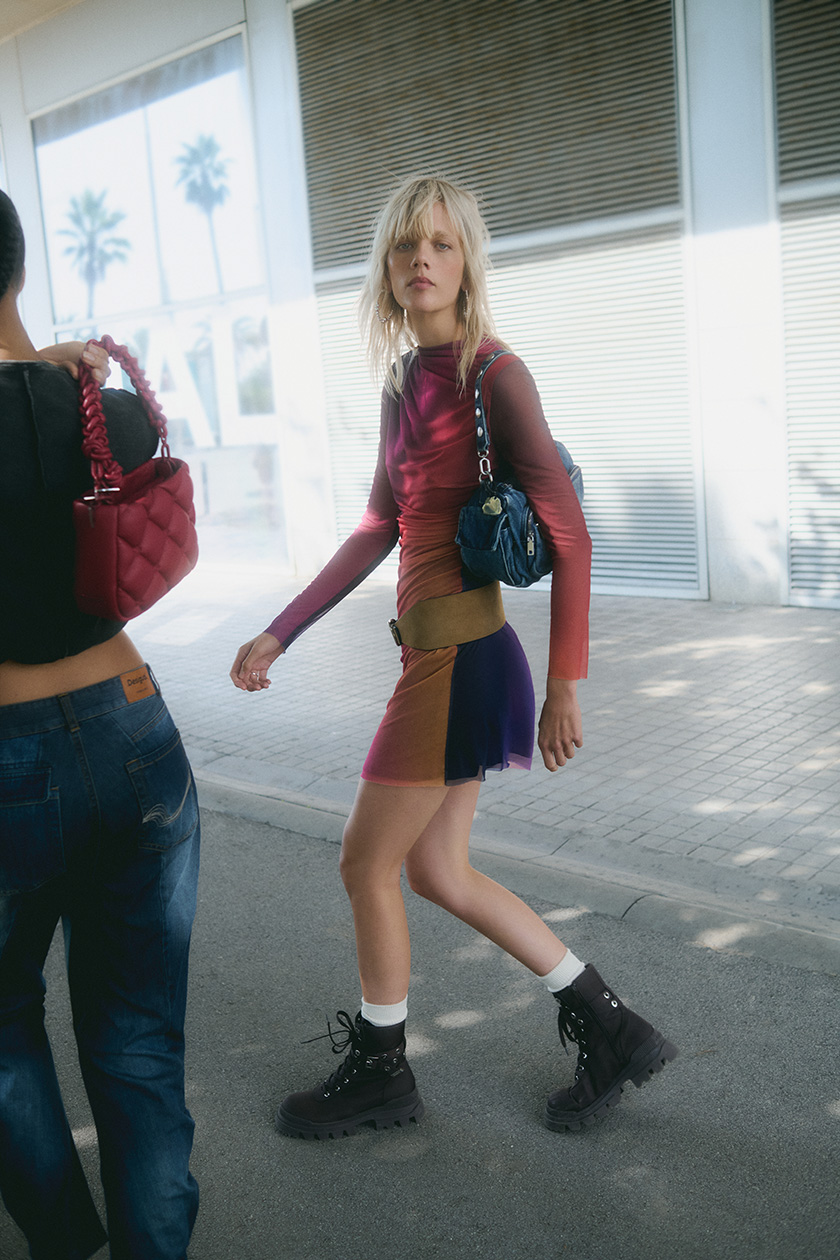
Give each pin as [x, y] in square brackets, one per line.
[498, 534]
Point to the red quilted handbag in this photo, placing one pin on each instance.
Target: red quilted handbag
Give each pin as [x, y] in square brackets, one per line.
[135, 531]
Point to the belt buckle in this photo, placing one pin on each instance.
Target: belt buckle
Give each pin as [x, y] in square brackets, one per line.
[395, 631]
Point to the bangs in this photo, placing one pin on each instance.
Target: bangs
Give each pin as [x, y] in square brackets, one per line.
[413, 216]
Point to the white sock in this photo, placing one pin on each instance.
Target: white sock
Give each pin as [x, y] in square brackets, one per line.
[385, 1016]
[567, 970]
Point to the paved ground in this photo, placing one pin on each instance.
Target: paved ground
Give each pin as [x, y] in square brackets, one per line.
[692, 851]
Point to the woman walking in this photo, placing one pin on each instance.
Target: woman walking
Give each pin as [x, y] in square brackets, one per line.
[98, 828]
[464, 703]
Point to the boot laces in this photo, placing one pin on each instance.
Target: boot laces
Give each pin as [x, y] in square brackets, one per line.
[349, 1041]
[573, 1026]
[351, 1034]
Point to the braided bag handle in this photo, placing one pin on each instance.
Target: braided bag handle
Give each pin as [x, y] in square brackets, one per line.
[107, 473]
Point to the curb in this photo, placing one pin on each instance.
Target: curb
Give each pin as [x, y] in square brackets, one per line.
[709, 922]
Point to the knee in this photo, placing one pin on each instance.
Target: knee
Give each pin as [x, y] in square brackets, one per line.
[348, 867]
[430, 882]
[360, 868]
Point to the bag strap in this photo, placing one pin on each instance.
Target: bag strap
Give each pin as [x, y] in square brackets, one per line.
[482, 437]
[106, 472]
[482, 428]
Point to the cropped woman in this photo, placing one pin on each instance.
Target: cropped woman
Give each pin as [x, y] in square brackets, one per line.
[464, 703]
[99, 828]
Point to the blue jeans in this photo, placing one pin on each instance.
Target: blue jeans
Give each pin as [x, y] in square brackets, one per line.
[98, 827]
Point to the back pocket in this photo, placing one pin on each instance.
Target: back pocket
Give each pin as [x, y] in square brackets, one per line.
[31, 844]
[163, 784]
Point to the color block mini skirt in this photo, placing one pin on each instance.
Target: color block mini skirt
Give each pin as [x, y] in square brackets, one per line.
[456, 713]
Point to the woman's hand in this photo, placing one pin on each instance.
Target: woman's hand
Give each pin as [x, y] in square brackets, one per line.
[250, 669]
[67, 355]
[561, 725]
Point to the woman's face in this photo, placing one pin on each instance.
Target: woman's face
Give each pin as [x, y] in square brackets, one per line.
[426, 277]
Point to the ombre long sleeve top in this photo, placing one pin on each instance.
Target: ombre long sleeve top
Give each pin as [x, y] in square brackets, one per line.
[426, 470]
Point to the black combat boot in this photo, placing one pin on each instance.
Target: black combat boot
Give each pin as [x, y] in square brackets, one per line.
[614, 1046]
[374, 1085]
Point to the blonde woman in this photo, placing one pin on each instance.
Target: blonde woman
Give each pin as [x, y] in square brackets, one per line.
[464, 703]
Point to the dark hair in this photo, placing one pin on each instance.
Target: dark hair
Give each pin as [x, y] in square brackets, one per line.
[12, 248]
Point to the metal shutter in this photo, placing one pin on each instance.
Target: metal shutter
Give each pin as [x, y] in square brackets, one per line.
[807, 45]
[601, 325]
[602, 328]
[811, 270]
[807, 56]
[556, 112]
[560, 115]
[353, 406]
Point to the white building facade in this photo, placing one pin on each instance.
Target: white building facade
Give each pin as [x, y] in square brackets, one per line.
[662, 183]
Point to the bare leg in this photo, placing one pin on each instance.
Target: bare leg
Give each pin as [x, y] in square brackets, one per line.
[429, 830]
[438, 868]
[383, 825]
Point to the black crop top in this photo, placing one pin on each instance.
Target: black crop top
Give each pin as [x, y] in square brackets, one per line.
[42, 470]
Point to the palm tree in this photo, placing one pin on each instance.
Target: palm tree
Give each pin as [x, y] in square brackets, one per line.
[205, 176]
[94, 249]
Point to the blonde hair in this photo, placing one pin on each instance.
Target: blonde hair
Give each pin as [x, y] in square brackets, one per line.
[408, 213]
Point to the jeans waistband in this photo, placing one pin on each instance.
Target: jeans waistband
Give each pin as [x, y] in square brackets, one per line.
[71, 707]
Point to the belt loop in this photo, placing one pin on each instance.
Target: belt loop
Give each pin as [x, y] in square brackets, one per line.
[152, 676]
[67, 710]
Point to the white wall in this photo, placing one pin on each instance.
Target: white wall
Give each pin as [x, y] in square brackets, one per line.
[294, 330]
[735, 264]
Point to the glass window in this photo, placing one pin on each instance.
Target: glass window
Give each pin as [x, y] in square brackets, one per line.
[150, 207]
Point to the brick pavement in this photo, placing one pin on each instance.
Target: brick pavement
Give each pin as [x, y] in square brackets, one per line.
[712, 734]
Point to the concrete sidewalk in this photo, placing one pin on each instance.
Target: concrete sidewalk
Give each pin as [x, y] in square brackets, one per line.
[708, 777]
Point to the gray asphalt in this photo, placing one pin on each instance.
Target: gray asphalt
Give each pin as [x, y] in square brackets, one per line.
[730, 1152]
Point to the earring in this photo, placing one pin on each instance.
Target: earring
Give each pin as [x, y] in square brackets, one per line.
[379, 316]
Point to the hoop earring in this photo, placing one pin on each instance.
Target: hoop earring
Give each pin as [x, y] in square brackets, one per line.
[379, 317]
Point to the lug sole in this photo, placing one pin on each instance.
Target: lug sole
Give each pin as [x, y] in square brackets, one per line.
[650, 1058]
[394, 1115]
